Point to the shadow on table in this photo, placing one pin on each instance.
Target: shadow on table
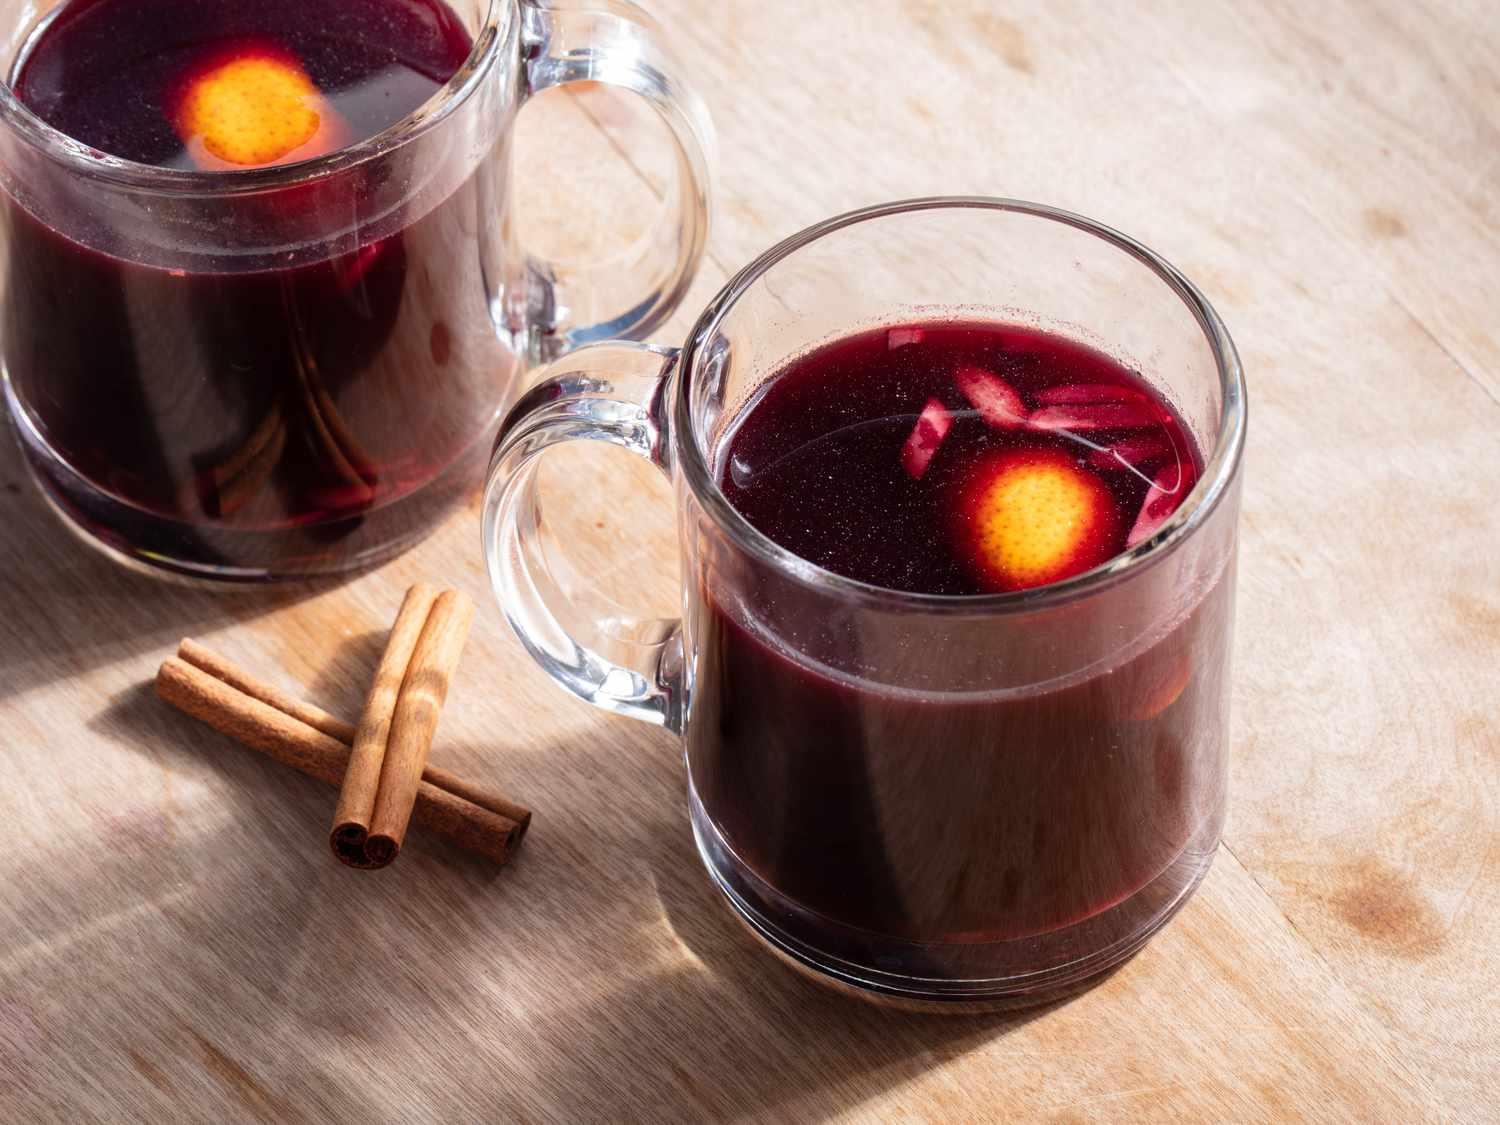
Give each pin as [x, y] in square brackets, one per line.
[70, 609]
[599, 970]
[198, 952]
[735, 1034]
[679, 1015]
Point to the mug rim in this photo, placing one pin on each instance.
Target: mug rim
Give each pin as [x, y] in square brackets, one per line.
[1220, 470]
[496, 29]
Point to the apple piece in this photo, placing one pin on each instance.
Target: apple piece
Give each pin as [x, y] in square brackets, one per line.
[995, 399]
[1162, 498]
[1130, 453]
[921, 446]
[1083, 417]
[1087, 394]
[901, 337]
[1030, 517]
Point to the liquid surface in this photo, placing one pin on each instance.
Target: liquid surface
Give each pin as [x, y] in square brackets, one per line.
[960, 458]
[115, 74]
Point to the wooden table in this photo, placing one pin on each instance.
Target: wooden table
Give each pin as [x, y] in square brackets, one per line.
[176, 943]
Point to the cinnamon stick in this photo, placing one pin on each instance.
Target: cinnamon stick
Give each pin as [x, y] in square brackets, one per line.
[222, 669]
[345, 456]
[418, 708]
[356, 804]
[236, 704]
[244, 474]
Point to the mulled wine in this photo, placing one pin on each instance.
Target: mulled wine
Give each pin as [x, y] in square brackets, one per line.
[984, 834]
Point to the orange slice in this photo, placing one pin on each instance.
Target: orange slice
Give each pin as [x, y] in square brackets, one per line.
[1035, 517]
[253, 109]
[1158, 686]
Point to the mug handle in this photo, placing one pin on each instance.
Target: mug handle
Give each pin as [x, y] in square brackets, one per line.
[615, 43]
[616, 393]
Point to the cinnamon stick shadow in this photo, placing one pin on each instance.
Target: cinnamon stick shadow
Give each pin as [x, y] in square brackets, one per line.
[261, 717]
[145, 720]
[735, 1035]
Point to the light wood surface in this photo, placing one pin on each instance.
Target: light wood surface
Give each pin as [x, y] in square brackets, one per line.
[177, 944]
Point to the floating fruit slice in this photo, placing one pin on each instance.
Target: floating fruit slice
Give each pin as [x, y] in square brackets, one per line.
[1075, 394]
[253, 108]
[995, 399]
[1158, 687]
[1082, 417]
[1131, 453]
[900, 337]
[1162, 498]
[1031, 517]
[932, 427]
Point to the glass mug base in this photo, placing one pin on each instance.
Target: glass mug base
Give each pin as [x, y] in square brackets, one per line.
[943, 977]
[158, 545]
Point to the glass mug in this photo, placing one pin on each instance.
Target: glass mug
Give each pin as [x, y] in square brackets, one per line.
[990, 799]
[280, 372]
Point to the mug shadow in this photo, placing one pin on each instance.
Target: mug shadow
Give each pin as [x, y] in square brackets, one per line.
[73, 609]
[638, 996]
[704, 1024]
[724, 1031]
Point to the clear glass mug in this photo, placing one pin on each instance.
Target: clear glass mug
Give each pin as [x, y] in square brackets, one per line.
[288, 371]
[982, 800]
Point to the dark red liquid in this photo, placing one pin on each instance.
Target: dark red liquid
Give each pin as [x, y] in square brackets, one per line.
[260, 416]
[1003, 829]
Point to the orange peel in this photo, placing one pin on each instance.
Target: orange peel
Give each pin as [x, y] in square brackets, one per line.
[1035, 517]
[1160, 686]
[252, 109]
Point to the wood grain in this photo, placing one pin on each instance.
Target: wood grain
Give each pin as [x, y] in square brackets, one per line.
[1329, 174]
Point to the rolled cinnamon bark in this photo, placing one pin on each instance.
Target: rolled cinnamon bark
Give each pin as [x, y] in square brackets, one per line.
[418, 708]
[356, 805]
[236, 704]
[231, 674]
[243, 476]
